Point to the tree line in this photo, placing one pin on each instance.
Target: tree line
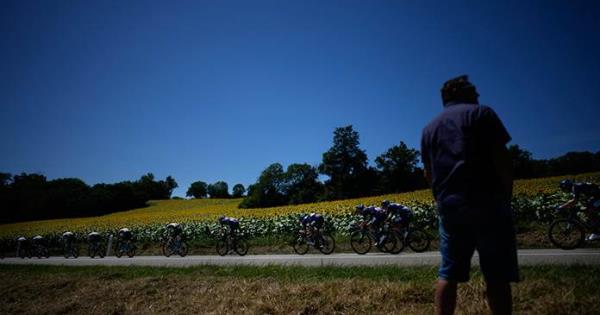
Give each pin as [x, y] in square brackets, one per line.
[26, 197]
[570, 163]
[345, 165]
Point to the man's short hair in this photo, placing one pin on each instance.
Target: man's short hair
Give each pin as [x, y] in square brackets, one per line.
[457, 89]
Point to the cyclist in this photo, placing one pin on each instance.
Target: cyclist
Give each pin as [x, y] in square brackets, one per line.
[69, 243]
[375, 218]
[312, 224]
[397, 213]
[23, 247]
[589, 194]
[39, 245]
[125, 242]
[232, 223]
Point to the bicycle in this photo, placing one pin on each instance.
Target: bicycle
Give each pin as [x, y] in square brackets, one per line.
[228, 242]
[39, 248]
[324, 242]
[125, 247]
[416, 238]
[23, 248]
[362, 238]
[125, 244]
[569, 231]
[174, 245]
[95, 245]
[70, 248]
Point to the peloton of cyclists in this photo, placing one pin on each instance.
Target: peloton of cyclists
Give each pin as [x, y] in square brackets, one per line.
[376, 217]
[589, 194]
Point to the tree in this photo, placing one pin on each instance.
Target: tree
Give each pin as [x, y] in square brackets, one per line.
[523, 164]
[344, 163]
[218, 190]
[302, 184]
[269, 189]
[398, 168]
[197, 190]
[169, 185]
[5, 179]
[238, 190]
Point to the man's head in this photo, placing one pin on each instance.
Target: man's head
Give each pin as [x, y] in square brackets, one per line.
[459, 89]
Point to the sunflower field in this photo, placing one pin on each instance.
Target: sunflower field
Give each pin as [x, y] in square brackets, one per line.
[534, 201]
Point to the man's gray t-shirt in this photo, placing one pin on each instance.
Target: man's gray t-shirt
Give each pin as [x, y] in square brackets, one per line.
[458, 145]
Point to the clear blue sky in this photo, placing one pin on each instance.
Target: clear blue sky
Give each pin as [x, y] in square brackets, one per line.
[218, 90]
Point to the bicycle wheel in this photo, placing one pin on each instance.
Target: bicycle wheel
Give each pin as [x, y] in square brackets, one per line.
[76, 251]
[222, 247]
[91, 251]
[118, 250]
[389, 243]
[360, 242]
[418, 240]
[327, 244]
[101, 251]
[166, 248]
[300, 246]
[399, 236]
[183, 249]
[131, 251]
[241, 246]
[566, 234]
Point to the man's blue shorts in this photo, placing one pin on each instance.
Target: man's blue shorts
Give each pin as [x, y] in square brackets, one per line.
[495, 242]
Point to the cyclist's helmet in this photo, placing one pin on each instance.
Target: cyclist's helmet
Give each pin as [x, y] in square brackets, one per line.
[359, 209]
[301, 217]
[566, 185]
[385, 204]
[221, 218]
[21, 239]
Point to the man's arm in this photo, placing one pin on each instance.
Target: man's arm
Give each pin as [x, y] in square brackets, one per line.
[427, 173]
[504, 168]
[496, 134]
[425, 160]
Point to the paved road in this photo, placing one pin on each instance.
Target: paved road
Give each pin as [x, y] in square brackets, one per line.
[526, 257]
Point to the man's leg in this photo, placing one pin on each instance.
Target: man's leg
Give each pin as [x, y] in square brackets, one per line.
[445, 297]
[499, 297]
[456, 249]
[498, 259]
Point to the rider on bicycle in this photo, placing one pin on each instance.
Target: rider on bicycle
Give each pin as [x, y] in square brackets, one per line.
[312, 224]
[397, 213]
[375, 218]
[589, 194]
[232, 223]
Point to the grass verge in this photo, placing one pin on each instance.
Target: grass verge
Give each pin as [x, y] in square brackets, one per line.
[278, 290]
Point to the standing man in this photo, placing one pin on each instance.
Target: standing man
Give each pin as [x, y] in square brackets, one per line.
[470, 172]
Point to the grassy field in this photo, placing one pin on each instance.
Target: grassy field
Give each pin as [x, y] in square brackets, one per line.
[278, 290]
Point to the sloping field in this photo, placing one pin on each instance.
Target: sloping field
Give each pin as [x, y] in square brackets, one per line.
[198, 210]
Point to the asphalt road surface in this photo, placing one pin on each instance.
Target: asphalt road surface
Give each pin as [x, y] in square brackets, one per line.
[590, 256]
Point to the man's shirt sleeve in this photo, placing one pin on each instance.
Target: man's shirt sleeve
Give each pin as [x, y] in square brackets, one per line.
[493, 129]
[425, 151]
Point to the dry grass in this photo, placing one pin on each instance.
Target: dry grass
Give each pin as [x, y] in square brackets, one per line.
[546, 290]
